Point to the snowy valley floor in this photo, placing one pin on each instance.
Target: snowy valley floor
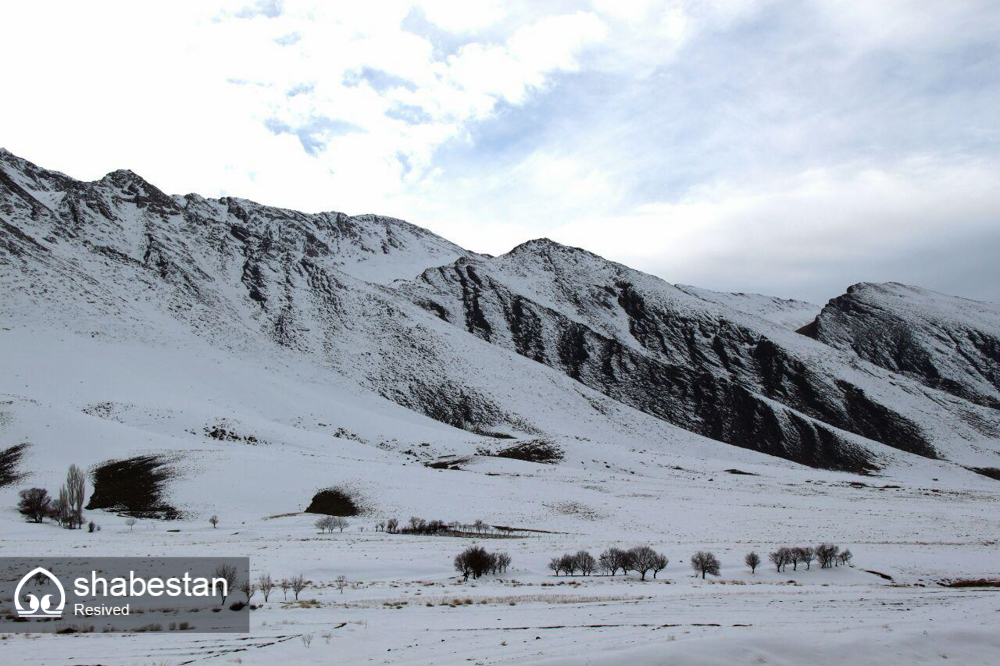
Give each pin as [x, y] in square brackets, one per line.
[403, 605]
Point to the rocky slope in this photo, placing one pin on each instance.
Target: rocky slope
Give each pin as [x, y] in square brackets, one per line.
[948, 343]
[543, 341]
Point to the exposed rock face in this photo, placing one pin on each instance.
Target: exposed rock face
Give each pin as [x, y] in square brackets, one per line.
[947, 343]
[543, 337]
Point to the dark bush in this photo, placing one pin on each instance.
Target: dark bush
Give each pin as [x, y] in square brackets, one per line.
[134, 487]
[333, 502]
[35, 504]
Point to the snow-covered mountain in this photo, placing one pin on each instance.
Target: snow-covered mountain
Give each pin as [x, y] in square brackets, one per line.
[471, 351]
[947, 343]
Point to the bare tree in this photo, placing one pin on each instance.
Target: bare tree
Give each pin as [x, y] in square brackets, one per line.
[807, 554]
[131, 521]
[380, 526]
[325, 524]
[298, 584]
[779, 558]
[474, 561]
[76, 486]
[34, 504]
[642, 559]
[248, 589]
[265, 584]
[285, 585]
[752, 560]
[338, 522]
[585, 562]
[845, 557]
[660, 562]
[391, 525]
[61, 510]
[555, 565]
[704, 562]
[826, 554]
[215, 521]
[795, 556]
[228, 573]
[503, 561]
[568, 564]
[611, 560]
[341, 583]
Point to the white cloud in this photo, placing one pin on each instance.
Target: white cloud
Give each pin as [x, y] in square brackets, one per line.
[677, 135]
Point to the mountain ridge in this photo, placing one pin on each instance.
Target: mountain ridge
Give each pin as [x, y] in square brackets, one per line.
[403, 312]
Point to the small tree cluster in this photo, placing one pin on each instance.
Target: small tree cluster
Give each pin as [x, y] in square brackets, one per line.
[641, 559]
[331, 523]
[828, 555]
[35, 504]
[475, 561]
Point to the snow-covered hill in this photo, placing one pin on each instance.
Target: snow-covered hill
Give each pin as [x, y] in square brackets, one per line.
[244, 357]
[546, 340]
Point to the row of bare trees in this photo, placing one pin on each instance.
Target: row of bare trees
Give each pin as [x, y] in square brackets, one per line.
[35, 504]
[265, 584]
[641, 559]
[331, 523]
[475, 561]
[827, 554]
[417, 525]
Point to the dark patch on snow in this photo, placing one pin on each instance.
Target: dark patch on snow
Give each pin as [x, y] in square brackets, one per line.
[992, 472]
[334, 502]
[10, 459]
[536, 451]
[134, 487]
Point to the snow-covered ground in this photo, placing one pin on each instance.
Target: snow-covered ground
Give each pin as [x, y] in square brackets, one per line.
[86, 400]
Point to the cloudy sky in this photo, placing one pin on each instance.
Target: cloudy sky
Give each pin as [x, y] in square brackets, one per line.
[790, 148]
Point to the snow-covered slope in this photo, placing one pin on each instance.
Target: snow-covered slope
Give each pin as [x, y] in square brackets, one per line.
[724, 372]
[786, 312]
[948, 343]
[543, 342]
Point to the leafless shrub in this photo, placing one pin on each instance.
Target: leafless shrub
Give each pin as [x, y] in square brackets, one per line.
[214, 520]
[307, 639]
[248, 589]
[131, 521]
[341, 583]
[285, 585]
[752, 560]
